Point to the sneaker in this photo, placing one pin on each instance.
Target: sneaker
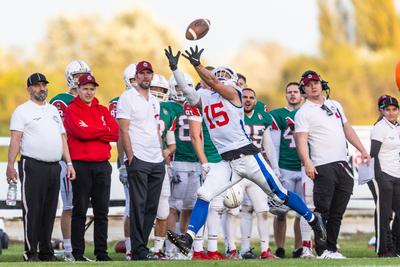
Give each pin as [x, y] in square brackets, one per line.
[248, 255]
[319, 231]
[182, 242]
[103, 257]
[215, 255]
[232, 255]
[307, 253]
[68, 257]
[160, 256]
[128, 256]
[280, 253]
[267, 254]
[331, 255]
[337, 255]
[179, 256]
[372, 242]
[297, 253]
[31, 258]
[83, 258]
[200, 255]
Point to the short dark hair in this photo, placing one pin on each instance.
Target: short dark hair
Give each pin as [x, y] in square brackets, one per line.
[249, 89]
[290, 84]
[241, 76]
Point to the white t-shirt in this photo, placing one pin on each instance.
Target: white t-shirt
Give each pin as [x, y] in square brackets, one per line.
[326, 139]
[225, 122]
[389, 154]
[143, 126]
[42, 127]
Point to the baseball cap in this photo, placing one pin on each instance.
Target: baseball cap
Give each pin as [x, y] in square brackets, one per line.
[87, 78]
[310, 76]
[380, 100]
[143, 65]
[36, 78]
[389, 101]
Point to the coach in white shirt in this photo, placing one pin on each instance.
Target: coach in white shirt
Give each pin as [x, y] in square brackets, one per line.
[37, 132]
[321, 130]
[138, 113]
[385, 187]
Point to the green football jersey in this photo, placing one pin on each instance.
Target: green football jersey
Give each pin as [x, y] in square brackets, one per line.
[61, 102]
[184, 148]
[261, 107]
[256, 124]
[167, 119]
[284, 121]
[209, 148]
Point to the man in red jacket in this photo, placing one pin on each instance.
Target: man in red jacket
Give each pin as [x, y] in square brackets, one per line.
[90, 129]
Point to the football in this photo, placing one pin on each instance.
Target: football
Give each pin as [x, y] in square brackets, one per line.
[120, 247]
[197, 29]
[233, 197]
[397, 75]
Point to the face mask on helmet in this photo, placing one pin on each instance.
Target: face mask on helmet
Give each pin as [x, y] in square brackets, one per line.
[73, 68]
[177, 94]
[225, 74]
[129, 73]
[159, 83]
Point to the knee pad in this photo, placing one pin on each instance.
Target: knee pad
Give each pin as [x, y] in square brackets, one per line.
[163, 208]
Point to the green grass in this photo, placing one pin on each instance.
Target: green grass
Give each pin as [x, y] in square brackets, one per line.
[352, 246]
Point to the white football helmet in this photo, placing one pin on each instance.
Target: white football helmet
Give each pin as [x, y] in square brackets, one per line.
[177, 95]
[160, 81]
[233, 197]
[129, 73]
[225, 74]
[75, 67]
[277, 208]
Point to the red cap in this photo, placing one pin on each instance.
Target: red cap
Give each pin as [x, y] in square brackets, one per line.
[87, 78]
[143, 65]
[311, 77]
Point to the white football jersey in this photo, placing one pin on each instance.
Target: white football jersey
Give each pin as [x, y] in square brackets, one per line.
[225, 122]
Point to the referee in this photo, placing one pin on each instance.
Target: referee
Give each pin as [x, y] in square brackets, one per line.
[37, 133]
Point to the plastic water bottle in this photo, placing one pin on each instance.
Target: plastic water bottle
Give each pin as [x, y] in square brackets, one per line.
[12, 194]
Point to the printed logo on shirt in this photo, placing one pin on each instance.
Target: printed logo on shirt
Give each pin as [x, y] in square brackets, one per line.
[83, 124]
[165, 111]
[259, 116]
[103, 120]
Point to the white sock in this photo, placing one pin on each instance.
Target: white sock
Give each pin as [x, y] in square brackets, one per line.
[158, 243]
[213, 223]
[128, 244]
[231, 231]
[223, 227]
[305, 229]
[246, 225]
[263, 230]
[67, 245]
[198, 241]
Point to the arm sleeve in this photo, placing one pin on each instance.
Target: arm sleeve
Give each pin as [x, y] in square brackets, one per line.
[124, 107]
[301, 122]
[189, 92]
[17, 122]
[375, 148]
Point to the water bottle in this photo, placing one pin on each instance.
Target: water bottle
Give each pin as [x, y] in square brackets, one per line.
[12, 194]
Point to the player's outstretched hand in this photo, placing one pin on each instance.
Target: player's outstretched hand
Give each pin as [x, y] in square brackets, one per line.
[173, 60]
[194, 55]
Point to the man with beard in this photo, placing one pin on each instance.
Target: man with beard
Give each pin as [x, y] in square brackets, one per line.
[33, 123]
[138, 114]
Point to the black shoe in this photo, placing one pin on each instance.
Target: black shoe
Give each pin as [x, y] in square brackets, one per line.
[249, 255]
[48, 258]
[318, 227]
[104, 257]
[297, 253]
[280, 253]
[182, 242]
[82, 258]
[31, 258]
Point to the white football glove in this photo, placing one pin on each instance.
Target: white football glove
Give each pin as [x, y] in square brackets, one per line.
[205, 169]
[123, 175]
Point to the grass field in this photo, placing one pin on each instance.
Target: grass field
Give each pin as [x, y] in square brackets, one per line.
[352, 246]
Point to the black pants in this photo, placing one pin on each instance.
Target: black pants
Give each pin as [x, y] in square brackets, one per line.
[386, 193]
[40, 185]
[92, 184]
[333, 186]
[145, 183]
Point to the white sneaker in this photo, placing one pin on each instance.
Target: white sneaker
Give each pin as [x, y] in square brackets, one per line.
[331, 255]
[68, 257]
[337, 255]
[307, 253]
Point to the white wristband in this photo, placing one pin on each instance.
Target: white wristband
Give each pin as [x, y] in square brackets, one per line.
[69, 164]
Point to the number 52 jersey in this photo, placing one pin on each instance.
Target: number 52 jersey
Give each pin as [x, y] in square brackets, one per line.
[224, 120]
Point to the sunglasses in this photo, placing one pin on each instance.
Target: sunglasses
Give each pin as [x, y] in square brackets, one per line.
[328, 111]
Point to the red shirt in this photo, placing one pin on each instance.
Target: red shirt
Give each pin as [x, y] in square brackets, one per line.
[90, 129]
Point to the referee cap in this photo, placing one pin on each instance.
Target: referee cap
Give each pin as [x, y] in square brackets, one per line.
[389, 101]
[36, 78]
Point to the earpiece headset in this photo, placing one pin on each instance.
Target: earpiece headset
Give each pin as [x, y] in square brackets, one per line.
[324, 84]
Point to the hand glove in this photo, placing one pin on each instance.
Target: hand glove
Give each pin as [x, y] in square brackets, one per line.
[193, 56]
[123, 175]
[205, 168]
[173, 60]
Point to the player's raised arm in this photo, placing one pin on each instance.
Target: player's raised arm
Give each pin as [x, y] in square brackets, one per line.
[188, 91]
[226, 91]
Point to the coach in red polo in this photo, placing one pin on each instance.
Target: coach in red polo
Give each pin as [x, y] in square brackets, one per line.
[90, 129]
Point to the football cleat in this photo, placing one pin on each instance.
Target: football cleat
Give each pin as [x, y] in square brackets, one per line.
[319, 232]
[267, 254]
[182, 242]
